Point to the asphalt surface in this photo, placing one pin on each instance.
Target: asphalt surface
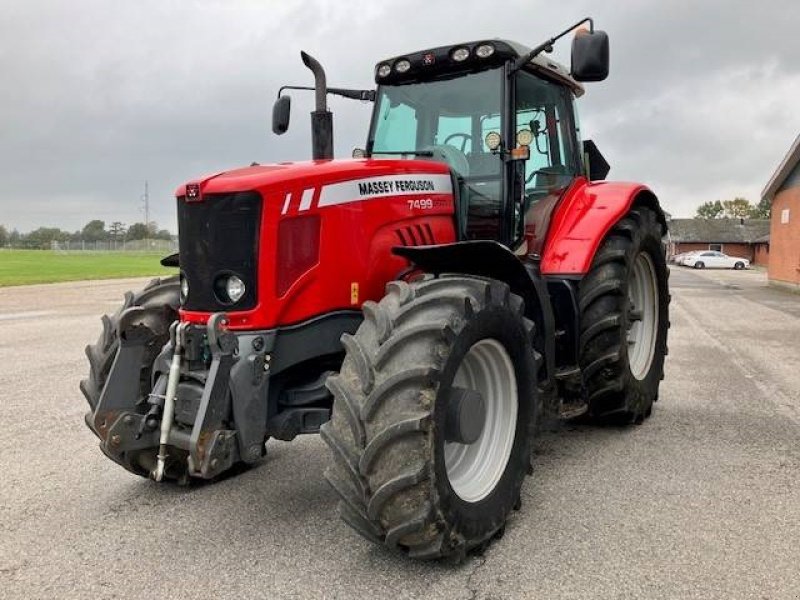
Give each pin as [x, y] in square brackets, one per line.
[702, 501]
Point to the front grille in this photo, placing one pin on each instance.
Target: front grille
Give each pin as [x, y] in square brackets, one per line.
[218, 236]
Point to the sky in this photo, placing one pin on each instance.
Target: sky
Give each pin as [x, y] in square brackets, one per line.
[99, 96]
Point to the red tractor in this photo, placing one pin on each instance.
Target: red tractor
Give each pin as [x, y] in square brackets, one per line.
[423, 306]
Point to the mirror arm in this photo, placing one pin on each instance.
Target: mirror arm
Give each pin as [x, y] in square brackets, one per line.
[548, 45]
[363, 95]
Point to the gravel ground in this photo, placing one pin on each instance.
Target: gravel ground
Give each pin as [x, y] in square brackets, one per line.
[701, 501]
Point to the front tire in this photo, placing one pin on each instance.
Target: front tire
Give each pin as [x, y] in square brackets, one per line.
[699, 265]
[624, 303]
[400, 481]
[738, 266]
[161, 294]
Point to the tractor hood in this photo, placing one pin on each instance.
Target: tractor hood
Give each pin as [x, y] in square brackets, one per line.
[291, 174]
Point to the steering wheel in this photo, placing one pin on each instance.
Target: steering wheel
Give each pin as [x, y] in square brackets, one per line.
[534, 174]
[465, 137]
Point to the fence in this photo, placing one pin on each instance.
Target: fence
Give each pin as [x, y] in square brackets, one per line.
[160, 246]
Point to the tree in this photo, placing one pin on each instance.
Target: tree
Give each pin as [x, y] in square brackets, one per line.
[44, 237]
[116, 229]
[94, 231]
[738, 208]
[3, 236]
[138, 231]
[710, 210]
[762, 210]
[163, 234]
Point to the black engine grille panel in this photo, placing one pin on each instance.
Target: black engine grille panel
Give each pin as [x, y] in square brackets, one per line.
[219, 236]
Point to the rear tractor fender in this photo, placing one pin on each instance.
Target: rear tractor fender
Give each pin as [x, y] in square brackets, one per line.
[493, 260]
[584, 218]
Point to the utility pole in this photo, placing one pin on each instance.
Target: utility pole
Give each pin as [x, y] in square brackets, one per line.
[146, 199]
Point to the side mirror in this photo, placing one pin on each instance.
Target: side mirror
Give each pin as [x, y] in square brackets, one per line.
[590, 56]
[280, 114]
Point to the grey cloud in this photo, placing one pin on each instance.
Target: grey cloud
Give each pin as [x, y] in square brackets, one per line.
[99, 96]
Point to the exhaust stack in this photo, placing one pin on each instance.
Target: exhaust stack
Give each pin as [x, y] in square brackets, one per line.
[321, 118]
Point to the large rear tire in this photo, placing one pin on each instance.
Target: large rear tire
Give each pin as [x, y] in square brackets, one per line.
[624, 303]
[156, 294]
[402, 479]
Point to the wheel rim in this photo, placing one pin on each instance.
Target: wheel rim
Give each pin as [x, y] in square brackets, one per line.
[643, 316]
[474, 470]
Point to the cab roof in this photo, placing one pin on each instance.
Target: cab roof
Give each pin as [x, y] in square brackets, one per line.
[436, 63]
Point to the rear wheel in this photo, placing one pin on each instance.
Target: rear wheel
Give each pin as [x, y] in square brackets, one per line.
[433, 413]
[624, 320]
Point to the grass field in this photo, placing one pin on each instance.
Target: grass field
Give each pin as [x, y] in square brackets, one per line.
[22, 267]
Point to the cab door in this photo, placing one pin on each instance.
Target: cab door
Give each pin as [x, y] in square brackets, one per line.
[544, 121]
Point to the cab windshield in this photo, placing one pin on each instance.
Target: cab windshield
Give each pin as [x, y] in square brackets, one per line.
[448, 120]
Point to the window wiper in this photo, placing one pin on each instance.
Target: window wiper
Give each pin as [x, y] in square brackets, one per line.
[403, 152]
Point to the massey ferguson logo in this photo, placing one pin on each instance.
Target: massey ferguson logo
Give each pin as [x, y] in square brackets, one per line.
[192, 192]
[373, 188]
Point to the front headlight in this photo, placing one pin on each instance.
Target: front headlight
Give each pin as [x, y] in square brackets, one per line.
[235, 288]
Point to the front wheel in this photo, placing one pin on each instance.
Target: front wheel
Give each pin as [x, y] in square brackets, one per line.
[433, 414]
[162, 296]
[699, 265]
[738, 266]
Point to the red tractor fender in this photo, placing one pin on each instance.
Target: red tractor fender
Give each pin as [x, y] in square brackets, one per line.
[582, 219]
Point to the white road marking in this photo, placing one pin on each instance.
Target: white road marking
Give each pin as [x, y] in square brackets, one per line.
[26, 315]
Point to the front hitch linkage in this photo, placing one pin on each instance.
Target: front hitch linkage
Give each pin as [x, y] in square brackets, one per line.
[176, 334]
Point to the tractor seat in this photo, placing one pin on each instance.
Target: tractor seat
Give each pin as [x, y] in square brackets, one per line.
[552, 177]
[483, 163]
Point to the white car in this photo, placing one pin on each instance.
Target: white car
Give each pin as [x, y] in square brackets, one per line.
[679, 258]
[712, 259]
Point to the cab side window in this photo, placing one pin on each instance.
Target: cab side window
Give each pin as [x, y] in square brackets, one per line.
[544, 121]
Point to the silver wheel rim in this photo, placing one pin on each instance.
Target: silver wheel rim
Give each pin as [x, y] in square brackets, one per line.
[474, 470]
[643, 316]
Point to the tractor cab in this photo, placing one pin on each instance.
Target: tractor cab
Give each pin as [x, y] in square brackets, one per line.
[504, 132]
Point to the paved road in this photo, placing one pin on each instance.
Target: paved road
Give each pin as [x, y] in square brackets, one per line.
[701, 501]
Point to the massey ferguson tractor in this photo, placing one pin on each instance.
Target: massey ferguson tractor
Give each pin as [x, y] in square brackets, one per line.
[424, 306]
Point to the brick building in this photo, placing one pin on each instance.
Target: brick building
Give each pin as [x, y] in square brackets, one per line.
[783, 191]
[743, 238]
